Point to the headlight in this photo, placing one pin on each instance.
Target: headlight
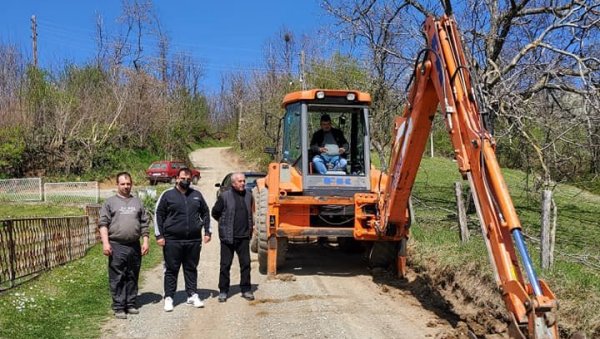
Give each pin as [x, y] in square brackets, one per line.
[350, 96]
[320, 95]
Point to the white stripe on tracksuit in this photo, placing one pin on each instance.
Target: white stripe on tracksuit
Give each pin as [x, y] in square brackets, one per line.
[156, 229]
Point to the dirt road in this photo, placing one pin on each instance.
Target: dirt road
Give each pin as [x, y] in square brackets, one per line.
[320, 294]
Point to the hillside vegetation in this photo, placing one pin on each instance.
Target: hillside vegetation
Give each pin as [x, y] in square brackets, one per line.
[575, 276]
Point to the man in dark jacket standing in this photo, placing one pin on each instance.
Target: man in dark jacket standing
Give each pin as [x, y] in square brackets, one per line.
[181, 213]
[123, 221]
[233, 211]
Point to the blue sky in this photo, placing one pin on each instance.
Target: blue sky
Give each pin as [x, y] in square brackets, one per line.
[221, 35]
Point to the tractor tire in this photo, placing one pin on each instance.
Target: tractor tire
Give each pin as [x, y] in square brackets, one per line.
[261, 229]
[254, 244]
[383, 255]
[255, 213]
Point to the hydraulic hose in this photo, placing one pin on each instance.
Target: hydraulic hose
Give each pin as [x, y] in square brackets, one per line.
[533, 280]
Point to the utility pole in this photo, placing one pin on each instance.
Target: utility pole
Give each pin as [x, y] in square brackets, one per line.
[34, 40]
[302, 76]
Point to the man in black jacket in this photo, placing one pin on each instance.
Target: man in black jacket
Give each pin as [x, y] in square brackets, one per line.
[233, 211]
[329, 146]
[181, 213]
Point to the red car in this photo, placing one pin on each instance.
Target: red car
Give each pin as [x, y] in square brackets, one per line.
[166, 171]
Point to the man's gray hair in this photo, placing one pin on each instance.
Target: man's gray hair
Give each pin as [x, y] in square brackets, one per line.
[237, 175]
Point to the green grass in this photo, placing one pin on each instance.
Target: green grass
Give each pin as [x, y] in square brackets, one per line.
[376, 160]
[577, 286]
[71, 301]
[23, 210]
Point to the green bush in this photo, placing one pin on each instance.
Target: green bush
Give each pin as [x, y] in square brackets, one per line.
[12, 149]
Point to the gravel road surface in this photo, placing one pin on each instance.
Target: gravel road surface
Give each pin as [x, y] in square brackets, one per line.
[322, 293]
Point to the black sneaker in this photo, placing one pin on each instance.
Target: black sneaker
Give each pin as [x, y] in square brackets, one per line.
[248, 295]
[222, 297]
[120, 315]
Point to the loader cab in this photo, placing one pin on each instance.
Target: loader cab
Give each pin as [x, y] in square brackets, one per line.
[349, 113]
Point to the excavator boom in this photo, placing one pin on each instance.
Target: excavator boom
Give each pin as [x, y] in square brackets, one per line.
[442, 78]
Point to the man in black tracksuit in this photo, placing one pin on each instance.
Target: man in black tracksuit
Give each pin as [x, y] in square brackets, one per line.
[181, 213]
[233, 211]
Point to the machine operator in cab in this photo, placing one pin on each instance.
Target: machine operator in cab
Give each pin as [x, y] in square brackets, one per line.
[329, 146]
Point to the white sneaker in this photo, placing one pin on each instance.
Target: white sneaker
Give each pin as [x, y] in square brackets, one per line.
[195, 301]
[168, 304]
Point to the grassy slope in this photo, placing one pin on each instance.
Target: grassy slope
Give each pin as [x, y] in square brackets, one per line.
[21, 210]
[70, 301]
[577, 286]
[73, 300]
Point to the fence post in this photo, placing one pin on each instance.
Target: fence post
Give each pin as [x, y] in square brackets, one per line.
[46, 260]
[40, 189]
[546, 230]
[11, 253]
[462, 214]
[88, 228]
[69, 237]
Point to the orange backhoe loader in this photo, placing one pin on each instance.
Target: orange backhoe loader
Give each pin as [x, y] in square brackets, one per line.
[360, 204]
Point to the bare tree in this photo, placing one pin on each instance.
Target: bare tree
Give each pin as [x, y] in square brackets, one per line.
[138, 17]
[74, 118]
[538, 62]
[12, 71]
[538, 69]
[381, 29]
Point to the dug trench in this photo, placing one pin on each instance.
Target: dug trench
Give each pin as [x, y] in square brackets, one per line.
[321, 292]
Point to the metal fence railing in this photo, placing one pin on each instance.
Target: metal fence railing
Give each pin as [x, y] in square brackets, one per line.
[31, 189]
[31, 245]
[76, 192]
[27, 189]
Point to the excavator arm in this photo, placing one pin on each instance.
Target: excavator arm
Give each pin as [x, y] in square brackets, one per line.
[443, 78]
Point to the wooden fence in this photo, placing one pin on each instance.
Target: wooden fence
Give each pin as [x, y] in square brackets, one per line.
[32, 245]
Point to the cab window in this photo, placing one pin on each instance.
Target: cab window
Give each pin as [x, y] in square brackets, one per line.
[292, 133]
[351, 122]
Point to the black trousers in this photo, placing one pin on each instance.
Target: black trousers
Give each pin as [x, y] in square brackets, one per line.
[123, 274]
[181, 253]
[241, 246]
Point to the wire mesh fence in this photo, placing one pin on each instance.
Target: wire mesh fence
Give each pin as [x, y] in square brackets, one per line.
[27, 189]
[75, 192]
[32, 189]
[577, 225]
[31, 245]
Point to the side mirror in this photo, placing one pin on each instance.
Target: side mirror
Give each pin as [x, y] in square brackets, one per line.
[342, 121]
[271, 150]
[217, 185]
[270, 131]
